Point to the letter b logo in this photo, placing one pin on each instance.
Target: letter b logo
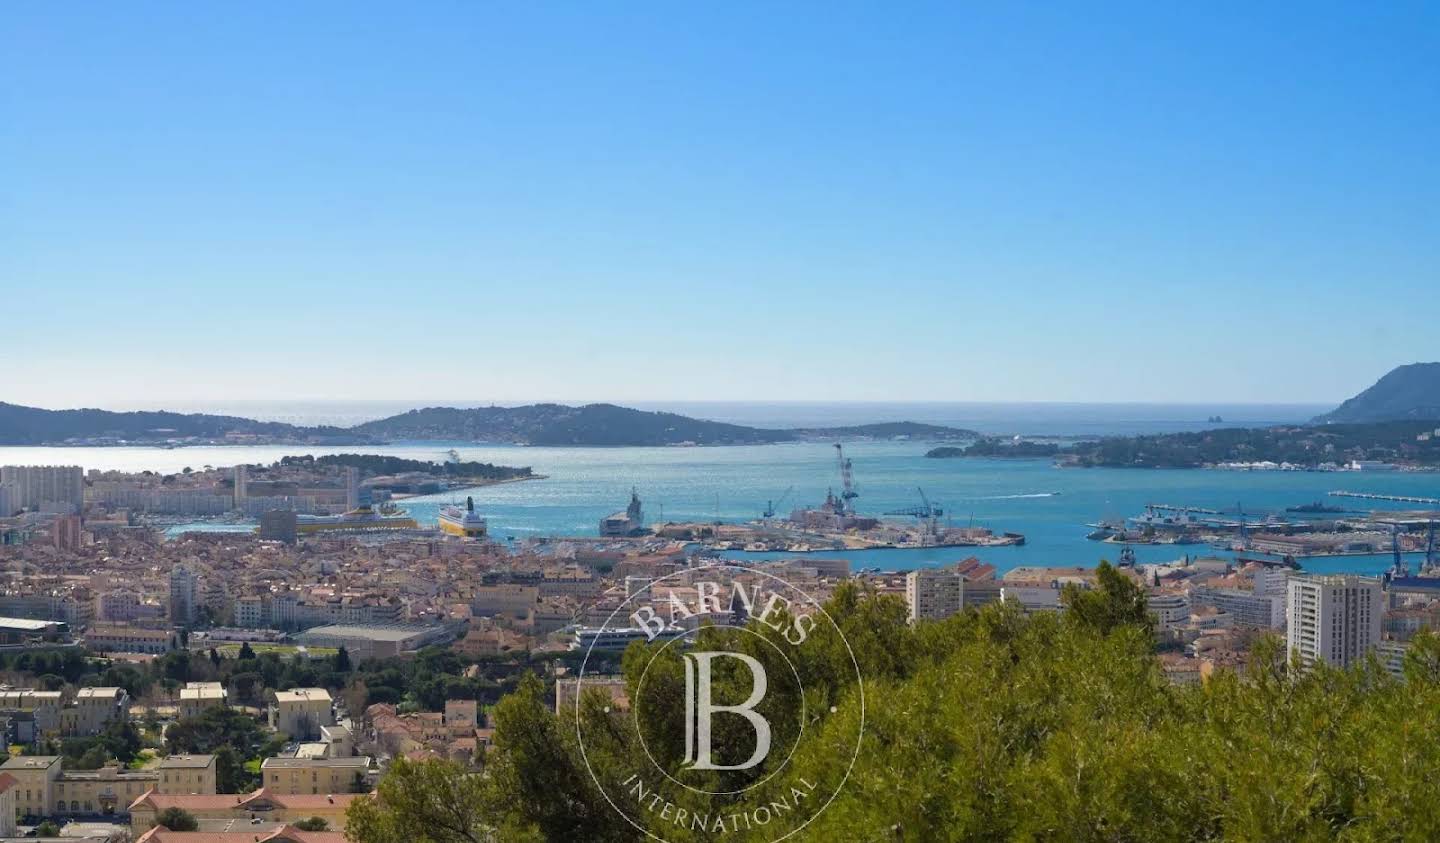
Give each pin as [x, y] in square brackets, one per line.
[699, 708]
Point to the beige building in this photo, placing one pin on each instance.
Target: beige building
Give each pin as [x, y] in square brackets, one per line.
[93, 709]
[187, 774]
[300, 712]
[118, 638]
[262, 805]
[315, 775]
[1333, 619]
[8, 784]
[43, 706]
[43, 789]
[195, 697]
[934, 594]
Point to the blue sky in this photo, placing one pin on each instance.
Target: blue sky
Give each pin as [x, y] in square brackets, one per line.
[831, 201]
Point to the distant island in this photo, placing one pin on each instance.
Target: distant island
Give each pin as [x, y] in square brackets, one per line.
[997, 447]
[371, 465]
[600, 425]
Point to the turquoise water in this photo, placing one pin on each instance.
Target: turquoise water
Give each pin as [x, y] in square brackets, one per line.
[1050, 506]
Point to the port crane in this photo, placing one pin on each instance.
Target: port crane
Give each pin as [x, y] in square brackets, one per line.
[772, 504]
[847, 482]
[927, 513]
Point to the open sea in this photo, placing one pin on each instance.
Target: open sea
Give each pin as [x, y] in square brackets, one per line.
[1050, 506]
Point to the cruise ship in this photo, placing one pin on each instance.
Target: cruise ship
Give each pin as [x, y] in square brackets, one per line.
[462, 522]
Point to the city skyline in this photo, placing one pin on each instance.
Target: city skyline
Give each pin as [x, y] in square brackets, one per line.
[997, 203]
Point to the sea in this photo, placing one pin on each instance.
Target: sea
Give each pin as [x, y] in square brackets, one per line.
[1050, 506]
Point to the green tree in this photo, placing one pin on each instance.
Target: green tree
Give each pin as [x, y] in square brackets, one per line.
[312, 824]
[1117, 600]
[432, 801]
[177, 819]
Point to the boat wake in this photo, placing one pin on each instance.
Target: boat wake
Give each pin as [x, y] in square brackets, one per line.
[1014, 497]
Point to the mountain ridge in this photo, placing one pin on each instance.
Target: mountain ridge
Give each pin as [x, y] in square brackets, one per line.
[589, 425]
[1406, 393]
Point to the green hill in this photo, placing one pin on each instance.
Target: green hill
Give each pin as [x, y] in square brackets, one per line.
[1406, 393]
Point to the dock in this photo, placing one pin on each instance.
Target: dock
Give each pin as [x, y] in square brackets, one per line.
[1372, 497]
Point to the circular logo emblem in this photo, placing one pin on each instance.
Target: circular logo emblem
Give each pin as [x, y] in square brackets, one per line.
[699, 732]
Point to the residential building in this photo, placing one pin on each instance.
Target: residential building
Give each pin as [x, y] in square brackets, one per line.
[1334, 619]
[184, 595]
[315, 775]
[187, 774]
[1170, 610]
[280, 525]
[195, 697]
[934, 594]
[93, 709]
[1246, 608]
[42, 487]
[300, 712]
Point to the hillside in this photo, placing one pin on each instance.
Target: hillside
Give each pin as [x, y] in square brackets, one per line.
[535, 424]
[34, 426]
[610, 425]
[1406, 392]
[1401, 442]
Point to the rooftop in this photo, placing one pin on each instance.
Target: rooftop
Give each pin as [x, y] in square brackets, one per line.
[187, 762]
[307, 763]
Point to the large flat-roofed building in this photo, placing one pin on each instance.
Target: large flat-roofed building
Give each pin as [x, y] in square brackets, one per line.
[364, 641]
[14, 631]
[300, 712]
[1333, 619]
[315, 775]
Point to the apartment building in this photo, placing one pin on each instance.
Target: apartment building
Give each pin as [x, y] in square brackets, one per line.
[93, 709]
[195, 697]
[315, 775]
[187, 774]
[300, 712]
[45, 487]
[239, 809]
[1333, 619]
[934, 594]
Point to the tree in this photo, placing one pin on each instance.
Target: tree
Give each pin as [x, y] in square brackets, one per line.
[312, 824]
[436, 798]
[177, 819]
[246, 652]
[342, 660]
[48, 828]
[1117, 600]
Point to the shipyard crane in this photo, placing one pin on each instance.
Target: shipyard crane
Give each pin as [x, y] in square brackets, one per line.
[771, 505]
[927, 513]
[1398, 568]
[847, 482]
[1428, 566]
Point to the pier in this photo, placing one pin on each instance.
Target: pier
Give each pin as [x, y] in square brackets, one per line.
[1370, 497]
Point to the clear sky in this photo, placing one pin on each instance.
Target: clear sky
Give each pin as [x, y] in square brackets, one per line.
[959, 201]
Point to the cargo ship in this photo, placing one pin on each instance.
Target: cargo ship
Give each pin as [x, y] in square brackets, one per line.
[465, 522]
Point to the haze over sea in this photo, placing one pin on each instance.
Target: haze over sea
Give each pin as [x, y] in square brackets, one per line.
[1050, 506]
